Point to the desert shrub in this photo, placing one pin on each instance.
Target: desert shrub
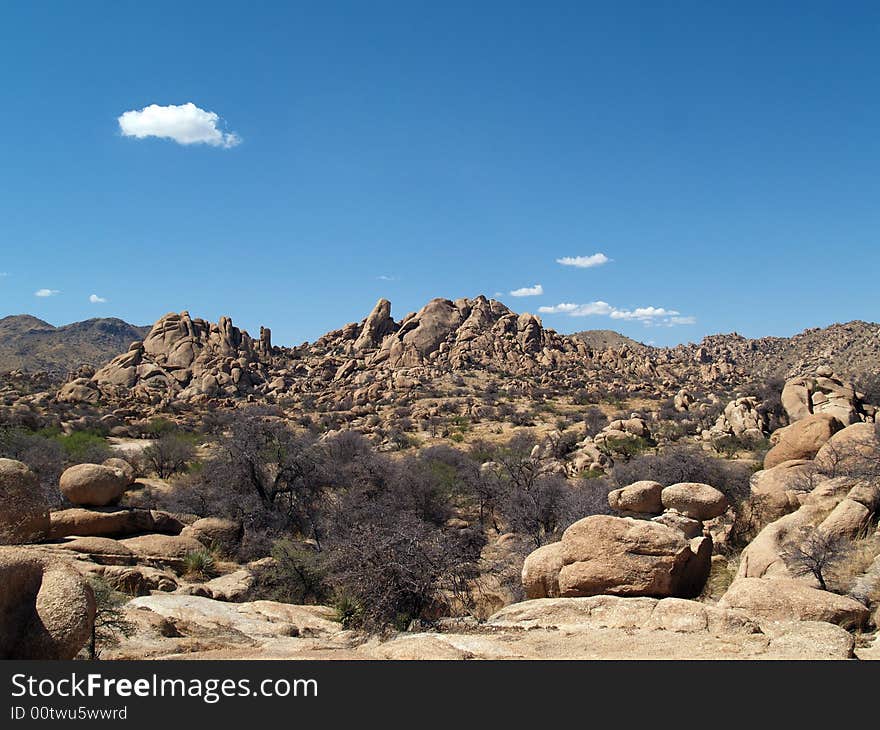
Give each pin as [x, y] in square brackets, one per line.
[45, 456]
[158, 426]
[730, 445]
[626, 447]
[84, 447]
[299, 575]
[199, 564]
[583, 397]
[169, 454]
[391, 567]
[110, 622]
[868, 384]
[594, 420]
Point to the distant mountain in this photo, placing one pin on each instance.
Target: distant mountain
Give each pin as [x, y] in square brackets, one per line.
[28, 343]
[601, 339]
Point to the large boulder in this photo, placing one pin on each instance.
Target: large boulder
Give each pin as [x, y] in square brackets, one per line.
[637, 498]
[802, 439]
[784, 599]
[854, 451]
[24, 510]
[46, 608]
[110, 522]
[216, 532]
[93, 484]
[762, 557]
[743, 418]
[626, 557]
[540, 573]
[101, 550]
[824, 393]
[782, 488]
[695, 500]
[163, 549]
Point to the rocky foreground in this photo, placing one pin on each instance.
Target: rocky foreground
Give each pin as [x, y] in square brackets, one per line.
[627, 585]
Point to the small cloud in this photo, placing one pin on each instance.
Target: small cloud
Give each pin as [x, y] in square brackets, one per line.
[643, 313]
[528, 291]
[648, 316]
[4, 274]
[95, 299]
[584, 262]
[46, 292]
[579, 310]
[185, 124]
[385, 277]
[675, 321]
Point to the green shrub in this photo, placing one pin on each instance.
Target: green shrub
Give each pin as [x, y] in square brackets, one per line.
[298, 577]
[199, 564]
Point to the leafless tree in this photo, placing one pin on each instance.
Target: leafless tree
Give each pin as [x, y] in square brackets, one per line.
[169, 454]
[812, 551]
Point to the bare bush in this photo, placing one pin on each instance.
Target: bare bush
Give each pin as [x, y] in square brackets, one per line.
[812, 551]
[169, 454]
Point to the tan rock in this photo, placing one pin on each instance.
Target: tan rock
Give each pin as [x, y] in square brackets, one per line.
[802, 439]
[781, 488]
[46, 608]
[215, 532]
[639, 497]
[170, 549]
[114, 462]
[783, 599]
[24, 510]
[93, 484]
[540, 573]
[101, 550]
[623, 556]
[688, 527]
[695, 500]
[854, 451]
[106, 522]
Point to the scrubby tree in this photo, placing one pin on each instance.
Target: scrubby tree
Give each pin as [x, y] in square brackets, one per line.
[169, 454]
[812, 551]
[110, 620]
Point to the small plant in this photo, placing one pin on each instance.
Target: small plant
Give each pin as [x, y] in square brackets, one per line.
[299, 575]
[110, 621]
[348, 611]
[199, 564]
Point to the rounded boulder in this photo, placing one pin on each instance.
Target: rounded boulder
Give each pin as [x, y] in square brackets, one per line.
[695, 500]
[93, 484]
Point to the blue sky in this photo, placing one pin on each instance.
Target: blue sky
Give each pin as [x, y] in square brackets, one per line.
[722, 156]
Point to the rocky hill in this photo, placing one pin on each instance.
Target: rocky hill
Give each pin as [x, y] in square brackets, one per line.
[601, 339]
[471, 357]
[28, 343]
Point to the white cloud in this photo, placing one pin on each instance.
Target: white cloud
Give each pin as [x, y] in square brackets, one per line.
[584, 262]
[528, 291]
[95, 299]
[643, 313]
[648, 316]
[46, 292]
[185, 124]
[579, 310]
[673, 321]
[385, 277]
